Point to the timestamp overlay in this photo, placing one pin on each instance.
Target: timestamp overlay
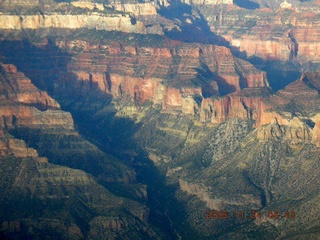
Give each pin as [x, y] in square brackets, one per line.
[253, 214]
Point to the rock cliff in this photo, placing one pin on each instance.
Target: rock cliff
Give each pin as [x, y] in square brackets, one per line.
[17, 148]
[171, 75]
[24, 105]
[137, 9]
[198, 80]
[93, 20]
[269, 34]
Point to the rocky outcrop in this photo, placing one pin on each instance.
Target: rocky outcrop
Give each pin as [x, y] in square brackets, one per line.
[17, 148]
[307, 37]
[295, 112]
[296, 131]
[24, 105]
[18, 88]
[251, 104]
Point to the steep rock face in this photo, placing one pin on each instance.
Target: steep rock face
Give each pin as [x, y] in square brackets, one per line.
[266, 49]
[250, 104]
[93, 20]
[24, 105]
[316, 135]
[307, 37]
[138, 9]
[281, 34]
[236, 105]
[167, 75]
[18, 88]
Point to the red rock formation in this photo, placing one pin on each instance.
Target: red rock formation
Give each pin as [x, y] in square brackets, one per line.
[180, 77]
[165, 75]
[18, 148]
[25, 105]
[23, 91]
[246, 104]
[280, 34]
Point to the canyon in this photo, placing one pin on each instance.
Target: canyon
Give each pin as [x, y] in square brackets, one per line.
[27, 110]
[133, 120]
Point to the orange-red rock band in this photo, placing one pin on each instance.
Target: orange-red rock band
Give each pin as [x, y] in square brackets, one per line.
[253, 214]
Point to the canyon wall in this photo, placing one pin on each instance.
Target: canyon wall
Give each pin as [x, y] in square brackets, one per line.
[137, 9]
[197, 80]
[24, 105]
[231, 88]
[281, 34]
[165, 75]
[32, 115]
[93, 20]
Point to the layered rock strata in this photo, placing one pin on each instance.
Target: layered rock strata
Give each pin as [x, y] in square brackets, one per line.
[24, 105]
[34, 116]
[282, 34]
[170, 76]
[186, 78]
[39, 195]
[115, 22]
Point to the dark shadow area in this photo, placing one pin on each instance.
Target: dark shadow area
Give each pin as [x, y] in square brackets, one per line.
[263, 196]
[197, 30]
[310, 123]
[246, 4]
[43, 73]
[280, 73]
[206, 76]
